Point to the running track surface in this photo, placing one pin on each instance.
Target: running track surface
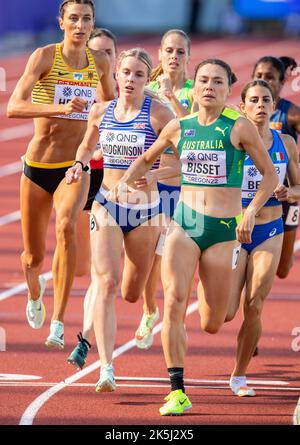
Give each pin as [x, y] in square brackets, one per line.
[141, 376]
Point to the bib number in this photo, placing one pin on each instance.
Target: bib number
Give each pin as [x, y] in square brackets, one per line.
[292, 218]
[93, 224]
[235, 256]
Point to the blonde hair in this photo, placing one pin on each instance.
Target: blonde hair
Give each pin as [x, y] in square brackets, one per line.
[157, 71]
[138, 53]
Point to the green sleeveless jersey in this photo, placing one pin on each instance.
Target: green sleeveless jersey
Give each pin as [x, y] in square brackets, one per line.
[207, 155]
[184, 96]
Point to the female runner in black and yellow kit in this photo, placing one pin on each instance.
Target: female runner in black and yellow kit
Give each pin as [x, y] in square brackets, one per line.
[62, 79]
[211, 145]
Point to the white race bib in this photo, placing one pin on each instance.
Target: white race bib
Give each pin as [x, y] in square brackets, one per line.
[252, 179]
[64, 93]
[204, 167]
[235, 256]
[292, 218]
[121, 148]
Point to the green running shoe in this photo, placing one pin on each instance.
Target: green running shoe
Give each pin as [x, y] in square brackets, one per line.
[177, 403]
[80, 352]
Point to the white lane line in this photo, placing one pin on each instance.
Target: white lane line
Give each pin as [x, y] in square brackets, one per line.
[21, 377]
[12, 381]
[144, 385]
[164, 379]
[10, 217]
[16, 132]
[32, 410]
[10, 169]
[21, 287]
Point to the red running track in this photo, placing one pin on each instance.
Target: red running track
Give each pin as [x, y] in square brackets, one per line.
[141, 375]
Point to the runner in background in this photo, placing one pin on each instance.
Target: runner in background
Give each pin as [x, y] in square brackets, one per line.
[169, 81]
[286, 120]
[258, 260]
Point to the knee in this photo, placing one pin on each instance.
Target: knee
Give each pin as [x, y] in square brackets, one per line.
[253, 310]
[174, 306]
[211, 326]
[31, 260]
[105, 286]
[283, 271]
[130, 292]
[82, 269]
[65, 228]
[130, 296]
[230, 315]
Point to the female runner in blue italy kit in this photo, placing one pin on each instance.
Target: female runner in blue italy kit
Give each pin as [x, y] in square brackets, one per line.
[128, 126]
[63, 79]
[207, 222]
[286, 120]
[258, 260]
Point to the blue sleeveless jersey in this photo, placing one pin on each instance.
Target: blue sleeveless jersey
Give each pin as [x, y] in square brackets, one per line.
[252, 177]
[123, 142]
[279, 119]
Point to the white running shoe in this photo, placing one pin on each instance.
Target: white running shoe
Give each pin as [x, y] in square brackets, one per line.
[56, 337]
[35, 309]
[239, 387]
[144, 336]
[106, 383]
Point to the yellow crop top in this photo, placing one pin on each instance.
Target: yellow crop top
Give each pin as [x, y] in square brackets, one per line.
[63, 83]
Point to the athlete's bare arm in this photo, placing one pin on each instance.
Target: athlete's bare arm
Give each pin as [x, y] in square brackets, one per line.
[291, 193]
[245, 135]
[105, 88]
[294, 118]
[38, 65]
[87, 147]
[161, 115]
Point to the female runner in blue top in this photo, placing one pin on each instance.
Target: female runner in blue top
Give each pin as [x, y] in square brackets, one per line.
[258, 260]
[286, 120]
